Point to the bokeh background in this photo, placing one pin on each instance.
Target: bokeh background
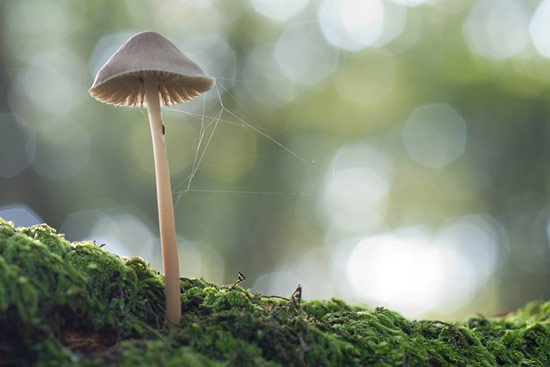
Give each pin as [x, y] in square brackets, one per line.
[389, 153]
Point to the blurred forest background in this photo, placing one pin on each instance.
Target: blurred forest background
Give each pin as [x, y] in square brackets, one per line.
[389, 153]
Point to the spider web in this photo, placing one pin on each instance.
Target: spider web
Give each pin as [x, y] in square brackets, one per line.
[207, 131]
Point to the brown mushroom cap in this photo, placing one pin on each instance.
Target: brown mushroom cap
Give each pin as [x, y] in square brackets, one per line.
[120, 80]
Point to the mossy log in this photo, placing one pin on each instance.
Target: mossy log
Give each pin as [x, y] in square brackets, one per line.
[75, 304]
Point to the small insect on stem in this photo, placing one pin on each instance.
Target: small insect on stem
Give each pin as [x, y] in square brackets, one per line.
[163, 129]
[240, 278]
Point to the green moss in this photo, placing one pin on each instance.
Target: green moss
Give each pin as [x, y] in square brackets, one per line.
[74, 304]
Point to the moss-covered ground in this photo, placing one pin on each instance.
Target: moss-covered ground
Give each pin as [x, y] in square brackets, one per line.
[74, 304]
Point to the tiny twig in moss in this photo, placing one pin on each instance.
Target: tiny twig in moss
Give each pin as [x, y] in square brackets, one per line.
[240, 278]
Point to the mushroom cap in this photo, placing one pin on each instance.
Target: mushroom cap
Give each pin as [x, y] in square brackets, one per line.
[120, 80]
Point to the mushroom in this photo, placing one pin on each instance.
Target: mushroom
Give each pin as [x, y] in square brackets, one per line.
[148, 70]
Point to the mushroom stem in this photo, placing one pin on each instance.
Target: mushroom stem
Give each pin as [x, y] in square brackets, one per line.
[165, 207]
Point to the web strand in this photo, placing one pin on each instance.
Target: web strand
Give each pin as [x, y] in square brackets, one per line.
[208, 127]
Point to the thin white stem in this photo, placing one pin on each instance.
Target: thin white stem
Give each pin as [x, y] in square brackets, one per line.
[165, 206]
